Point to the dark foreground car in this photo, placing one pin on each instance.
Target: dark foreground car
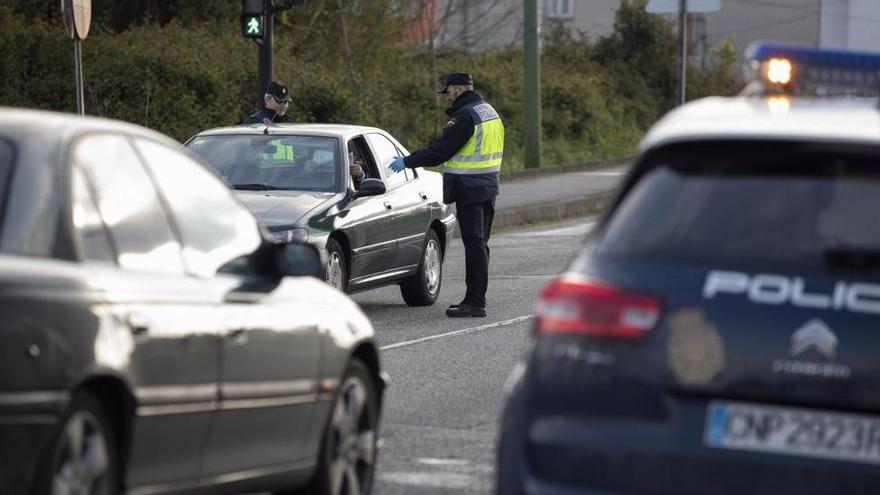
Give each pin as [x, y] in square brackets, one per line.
[152, 341]
[719, 332]
[390, 228]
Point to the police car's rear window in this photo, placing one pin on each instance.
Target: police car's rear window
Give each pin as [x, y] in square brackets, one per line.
[751, 203]
[6, 158]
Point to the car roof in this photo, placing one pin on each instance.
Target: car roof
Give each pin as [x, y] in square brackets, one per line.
[769, 118]
[42, 125]
[334, 130]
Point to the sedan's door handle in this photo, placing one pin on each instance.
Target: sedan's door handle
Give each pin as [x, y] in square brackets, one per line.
[137, 323]
[387, 205]
[237, 336]
[423, 195]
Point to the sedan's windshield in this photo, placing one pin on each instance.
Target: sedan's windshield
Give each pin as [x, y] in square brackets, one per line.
[263, 163]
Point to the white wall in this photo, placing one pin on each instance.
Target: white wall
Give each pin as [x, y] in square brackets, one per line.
[745, 21]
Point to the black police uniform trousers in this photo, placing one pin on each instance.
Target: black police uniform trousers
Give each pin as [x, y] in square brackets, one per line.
[475, 223]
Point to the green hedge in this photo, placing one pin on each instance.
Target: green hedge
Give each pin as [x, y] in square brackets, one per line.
[179, 78]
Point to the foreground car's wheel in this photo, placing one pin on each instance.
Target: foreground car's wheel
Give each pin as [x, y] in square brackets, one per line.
[336, 273]
[82, 457]
[422, 288]
[347, 459]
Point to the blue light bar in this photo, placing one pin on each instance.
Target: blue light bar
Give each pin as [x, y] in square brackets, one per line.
[822, 68]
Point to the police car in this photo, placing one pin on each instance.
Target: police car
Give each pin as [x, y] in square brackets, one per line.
[719, 332]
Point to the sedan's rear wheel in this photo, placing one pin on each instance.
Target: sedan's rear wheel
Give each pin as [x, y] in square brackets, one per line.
[347, 460]
[423, 288]
[82, 458]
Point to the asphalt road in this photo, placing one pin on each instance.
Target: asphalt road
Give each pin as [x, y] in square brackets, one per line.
[442, 407]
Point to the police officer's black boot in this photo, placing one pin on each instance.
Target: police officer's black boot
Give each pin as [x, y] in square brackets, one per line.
[465, 310]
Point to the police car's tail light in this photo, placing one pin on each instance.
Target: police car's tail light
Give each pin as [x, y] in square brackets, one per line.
[575, 305]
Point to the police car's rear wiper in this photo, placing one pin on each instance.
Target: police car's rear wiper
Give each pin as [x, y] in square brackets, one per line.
[847, 258]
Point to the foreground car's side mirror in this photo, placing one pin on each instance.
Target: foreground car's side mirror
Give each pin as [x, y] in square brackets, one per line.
[369, 187]
[299, 260]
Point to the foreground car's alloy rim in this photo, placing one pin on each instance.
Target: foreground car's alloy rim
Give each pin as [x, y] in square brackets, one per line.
[82, 460]
[432, 266]
[353, 447]
[334, 271]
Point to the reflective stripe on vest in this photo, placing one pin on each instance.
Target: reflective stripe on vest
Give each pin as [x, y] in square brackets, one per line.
[484, 150]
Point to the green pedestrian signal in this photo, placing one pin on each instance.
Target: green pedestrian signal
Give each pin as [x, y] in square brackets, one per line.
[252, 25]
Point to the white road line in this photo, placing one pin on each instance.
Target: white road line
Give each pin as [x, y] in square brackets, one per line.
[575, 230]
[433, 461]
[456, 481]
[610, 173]
[457, 332]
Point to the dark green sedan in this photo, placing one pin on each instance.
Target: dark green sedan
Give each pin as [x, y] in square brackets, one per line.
[330, 185]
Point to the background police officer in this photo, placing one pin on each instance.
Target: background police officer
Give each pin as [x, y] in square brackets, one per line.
[275, 104]
[470, 149]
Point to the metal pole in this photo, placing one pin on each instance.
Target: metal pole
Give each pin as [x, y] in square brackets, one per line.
[77, 67]
[266, 50]
[532, 68]
[682, 51]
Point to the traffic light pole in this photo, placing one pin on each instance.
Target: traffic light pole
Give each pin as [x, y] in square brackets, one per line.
[266, 51]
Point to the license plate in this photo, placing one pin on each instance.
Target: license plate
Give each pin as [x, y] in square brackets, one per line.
[793, 431]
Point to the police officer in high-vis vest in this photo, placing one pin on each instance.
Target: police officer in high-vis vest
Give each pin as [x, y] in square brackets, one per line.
[470, 150]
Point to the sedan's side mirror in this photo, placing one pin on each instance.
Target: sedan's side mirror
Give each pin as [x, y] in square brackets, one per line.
[299, 260]
[369, 187]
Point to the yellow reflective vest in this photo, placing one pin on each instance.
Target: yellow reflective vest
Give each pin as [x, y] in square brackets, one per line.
[482, 153]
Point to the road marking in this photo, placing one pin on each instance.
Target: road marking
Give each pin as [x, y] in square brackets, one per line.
[435, 480]
[575, 230]
[457, 332]
[610, 173]
[433, 461]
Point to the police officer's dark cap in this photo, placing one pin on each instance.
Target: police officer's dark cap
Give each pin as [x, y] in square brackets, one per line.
[456, 79]
[278, 91]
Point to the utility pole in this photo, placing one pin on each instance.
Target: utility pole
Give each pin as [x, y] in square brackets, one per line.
[682, 51]
[532, 69]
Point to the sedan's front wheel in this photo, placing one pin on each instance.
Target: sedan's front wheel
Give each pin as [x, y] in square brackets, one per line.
[336, 273]
[82, 458]
[347, 460]
[423, 288]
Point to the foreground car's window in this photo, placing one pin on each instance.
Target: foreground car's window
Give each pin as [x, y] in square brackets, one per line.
[88, 226]
[216, 230]
[772, 204]
[304, 163]
[129, 205]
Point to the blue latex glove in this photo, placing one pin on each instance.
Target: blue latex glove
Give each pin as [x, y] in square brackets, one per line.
[397, 164]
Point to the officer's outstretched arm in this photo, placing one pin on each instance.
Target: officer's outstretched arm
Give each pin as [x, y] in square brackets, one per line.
[456, 133]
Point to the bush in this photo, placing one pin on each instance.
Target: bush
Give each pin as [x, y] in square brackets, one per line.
[183, 76]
